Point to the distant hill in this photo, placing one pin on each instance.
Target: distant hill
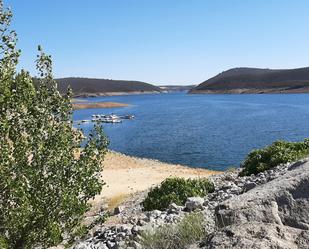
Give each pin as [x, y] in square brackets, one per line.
[255, 80]
[101, 87]
[176, 88]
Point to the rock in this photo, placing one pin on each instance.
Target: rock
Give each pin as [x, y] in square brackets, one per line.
[194, 203]
[272, 215]
[119, 210]
[259, 236]
[101, 245]
[141, 222]
[135, 229]
[82, 245]
[111, 245]
[174, 208]
[155, 213]
[249, 185]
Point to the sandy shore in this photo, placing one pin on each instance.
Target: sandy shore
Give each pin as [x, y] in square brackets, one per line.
[89, 105]
[125, 175]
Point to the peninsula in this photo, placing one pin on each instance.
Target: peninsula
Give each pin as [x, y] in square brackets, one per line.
[89, 87]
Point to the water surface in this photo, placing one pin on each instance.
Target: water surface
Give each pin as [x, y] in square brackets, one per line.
[211, 131]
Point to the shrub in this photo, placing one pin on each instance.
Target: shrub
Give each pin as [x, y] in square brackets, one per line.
[278, 153]
[176, 190]
[177, 236]
[44, 185]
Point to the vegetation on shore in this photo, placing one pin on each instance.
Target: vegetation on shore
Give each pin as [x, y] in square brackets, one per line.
[176, 190]
[44, 187]
[175, 236]
[279, 152]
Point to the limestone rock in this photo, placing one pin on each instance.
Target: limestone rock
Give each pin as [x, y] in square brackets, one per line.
[272, 215]
[194, 203]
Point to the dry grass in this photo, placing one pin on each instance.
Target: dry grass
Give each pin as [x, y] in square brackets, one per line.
[116, 200]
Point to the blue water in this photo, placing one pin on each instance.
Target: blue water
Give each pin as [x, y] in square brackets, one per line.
[211, 131]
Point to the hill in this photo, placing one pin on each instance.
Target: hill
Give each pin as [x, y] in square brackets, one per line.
[255, 80]
[100, 87]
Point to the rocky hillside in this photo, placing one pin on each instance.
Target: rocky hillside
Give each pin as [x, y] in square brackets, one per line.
[255, 80]
[101, 87]
[269, 210]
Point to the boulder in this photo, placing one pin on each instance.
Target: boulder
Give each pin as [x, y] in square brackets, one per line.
[194, 203]
[255, 235]
[272, 215]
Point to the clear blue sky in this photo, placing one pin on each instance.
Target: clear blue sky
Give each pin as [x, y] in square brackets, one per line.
[162, 41]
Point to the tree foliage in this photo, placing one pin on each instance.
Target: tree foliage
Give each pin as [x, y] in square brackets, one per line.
[46, 179]
[279, 152]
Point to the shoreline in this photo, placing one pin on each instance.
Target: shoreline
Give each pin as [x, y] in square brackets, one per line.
[108, 94]
[96, 105]
[252, 91]
[127, 175]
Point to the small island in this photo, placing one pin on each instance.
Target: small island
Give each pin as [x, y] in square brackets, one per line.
[95, 105]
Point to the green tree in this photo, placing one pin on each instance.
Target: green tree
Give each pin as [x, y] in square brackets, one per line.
[46, 178]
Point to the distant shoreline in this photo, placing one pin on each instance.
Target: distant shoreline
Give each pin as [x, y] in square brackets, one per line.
[252, 91]
[106, 94]
[89, 105]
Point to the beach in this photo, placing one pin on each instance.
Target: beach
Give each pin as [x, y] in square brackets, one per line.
[125, 175]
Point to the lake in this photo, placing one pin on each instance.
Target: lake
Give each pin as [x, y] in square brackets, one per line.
[202, 130]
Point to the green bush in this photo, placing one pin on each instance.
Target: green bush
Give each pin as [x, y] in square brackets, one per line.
[176, 190]
[178, 236]
[278, 153]
[46, 179]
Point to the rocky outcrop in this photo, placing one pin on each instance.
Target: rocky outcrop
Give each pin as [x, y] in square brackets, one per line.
[255, 235]
[272, 215]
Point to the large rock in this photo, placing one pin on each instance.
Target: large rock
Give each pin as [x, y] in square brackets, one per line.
[272, 215]
[194, 203]
[256, 235]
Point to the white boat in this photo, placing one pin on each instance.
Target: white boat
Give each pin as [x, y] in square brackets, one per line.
[109, 120]
[128, 117]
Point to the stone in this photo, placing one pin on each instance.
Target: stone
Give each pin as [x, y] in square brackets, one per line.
[101, 245]
[258, 236]
[82, 245]
[272, 215]
[155, 213]
[111, 245]
[174, 208]
[119, 210]
[194, 203]
[249, 185]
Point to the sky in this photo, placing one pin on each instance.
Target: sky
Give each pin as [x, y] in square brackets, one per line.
[161, 41]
